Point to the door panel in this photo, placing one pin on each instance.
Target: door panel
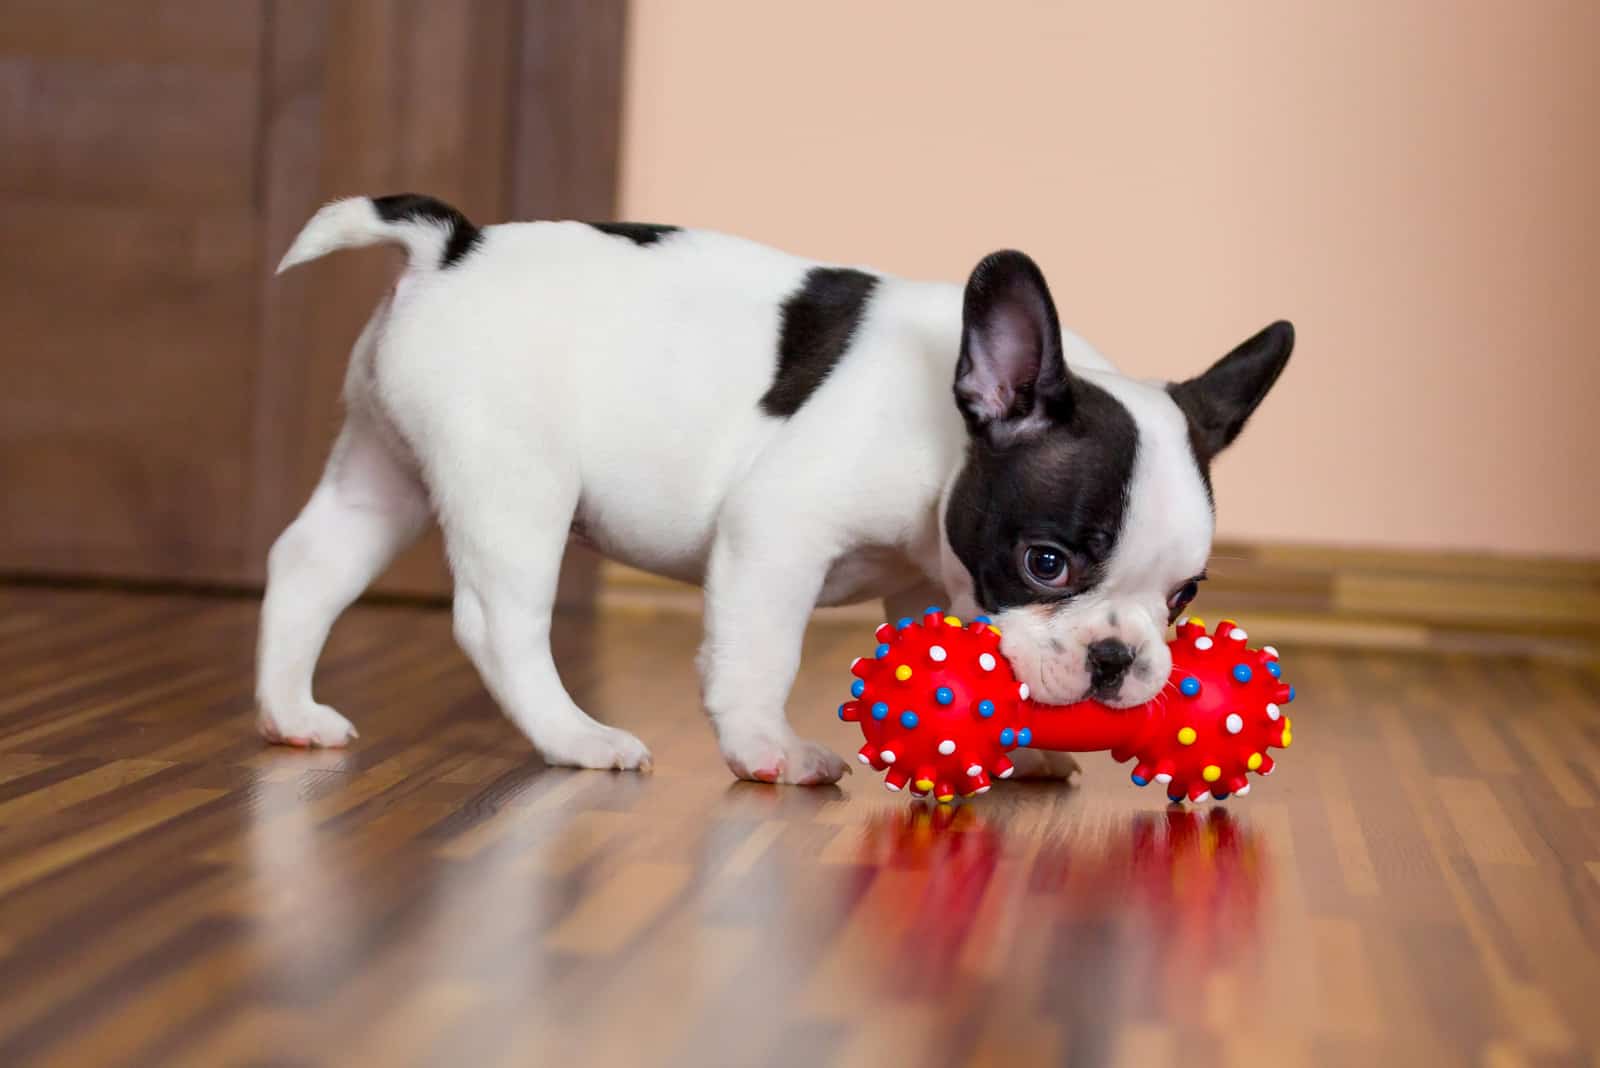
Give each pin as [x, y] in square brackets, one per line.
[167, 403]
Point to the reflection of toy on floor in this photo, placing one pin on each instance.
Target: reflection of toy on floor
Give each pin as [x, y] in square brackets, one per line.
[940, 707]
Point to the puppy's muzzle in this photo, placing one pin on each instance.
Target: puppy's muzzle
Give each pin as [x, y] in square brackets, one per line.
[1109, 661]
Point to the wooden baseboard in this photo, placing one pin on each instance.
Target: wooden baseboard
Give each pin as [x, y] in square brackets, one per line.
[1328, 596]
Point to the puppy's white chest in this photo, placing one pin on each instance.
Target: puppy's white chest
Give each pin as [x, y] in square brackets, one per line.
[867, 573]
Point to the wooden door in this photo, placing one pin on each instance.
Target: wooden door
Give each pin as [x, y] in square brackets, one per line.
[165, 402]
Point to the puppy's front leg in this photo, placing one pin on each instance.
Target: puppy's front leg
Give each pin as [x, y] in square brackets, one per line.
[760, 591]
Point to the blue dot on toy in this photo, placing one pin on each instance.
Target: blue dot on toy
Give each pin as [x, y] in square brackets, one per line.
[1189, 686]
[902, 623]
[985, 709]
[944, 695]
[1291, 693]
[1241, 672]
[985, 620]
[841, 711]
[908, 719]
[1138, 781]
[1273, 669]
[1219, 797]
[880, 710]
[933, 610]
[858, 688]
[883, 651]
[1008, 737]
[1025, 736]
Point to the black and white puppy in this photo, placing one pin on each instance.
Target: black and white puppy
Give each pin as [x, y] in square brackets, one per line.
[780, 431]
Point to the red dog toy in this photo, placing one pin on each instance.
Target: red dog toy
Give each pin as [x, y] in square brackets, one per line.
[940, 707]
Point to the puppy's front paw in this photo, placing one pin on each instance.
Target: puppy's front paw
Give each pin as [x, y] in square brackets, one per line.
[305, 726]
[785, 758]
[1044, 764]
[601, 748]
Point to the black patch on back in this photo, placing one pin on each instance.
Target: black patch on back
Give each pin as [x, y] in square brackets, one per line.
[407, 207]
[640, 234]
[1067, 485]
[818, 321]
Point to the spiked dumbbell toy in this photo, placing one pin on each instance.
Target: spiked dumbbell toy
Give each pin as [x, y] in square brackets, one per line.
[941, 707]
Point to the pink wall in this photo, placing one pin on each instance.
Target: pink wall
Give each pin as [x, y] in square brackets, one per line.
[1414, 182]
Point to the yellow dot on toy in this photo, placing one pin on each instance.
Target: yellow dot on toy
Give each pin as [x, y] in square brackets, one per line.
[1197, 621]
[1211, 773]
[1254, 762]
[954, 621]
[1186, 735]
[995, 630]
[945, 798]
[903, 672]
[923, 785]
[1288, 738]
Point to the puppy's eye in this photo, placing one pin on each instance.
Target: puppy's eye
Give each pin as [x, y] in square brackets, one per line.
[1182, 596]
[1048, 565]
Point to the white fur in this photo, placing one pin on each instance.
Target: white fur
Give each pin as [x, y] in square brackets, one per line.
[558, 380]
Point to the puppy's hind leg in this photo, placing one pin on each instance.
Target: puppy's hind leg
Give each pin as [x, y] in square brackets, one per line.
[367, 508]
[506, 543]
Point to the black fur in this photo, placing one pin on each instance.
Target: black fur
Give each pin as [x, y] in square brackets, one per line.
[1067, 486]
[640, 234]
[1050, 455]
[1218, 403]
[818, 321]
[464, 236]
[1011, 367]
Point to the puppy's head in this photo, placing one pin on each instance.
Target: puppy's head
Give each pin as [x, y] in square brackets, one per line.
[1082, 519]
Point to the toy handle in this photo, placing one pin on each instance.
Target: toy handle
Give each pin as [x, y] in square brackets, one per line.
[1085, 726]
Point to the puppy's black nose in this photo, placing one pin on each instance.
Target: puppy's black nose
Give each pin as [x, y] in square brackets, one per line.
[1108, 662]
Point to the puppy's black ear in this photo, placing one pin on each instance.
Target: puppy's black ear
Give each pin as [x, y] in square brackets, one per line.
[1011, 380]
[1219, 401]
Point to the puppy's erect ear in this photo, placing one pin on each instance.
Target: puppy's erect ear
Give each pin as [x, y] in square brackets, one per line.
[1011, 380]
[1219, 401]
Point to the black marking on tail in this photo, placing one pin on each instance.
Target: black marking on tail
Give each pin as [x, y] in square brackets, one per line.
[404, 207]
[640, 234]
[819, 321]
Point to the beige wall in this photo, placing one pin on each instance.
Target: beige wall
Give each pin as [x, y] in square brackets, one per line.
[1414, 182]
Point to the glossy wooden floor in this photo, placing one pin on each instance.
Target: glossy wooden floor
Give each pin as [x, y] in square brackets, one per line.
[1418, 884]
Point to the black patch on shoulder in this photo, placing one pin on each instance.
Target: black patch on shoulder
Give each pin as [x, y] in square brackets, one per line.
[640, 234]
[403, 207]
[1067, 486]
[818, 322]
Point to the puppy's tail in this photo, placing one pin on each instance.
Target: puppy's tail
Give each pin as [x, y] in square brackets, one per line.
[435, 234]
